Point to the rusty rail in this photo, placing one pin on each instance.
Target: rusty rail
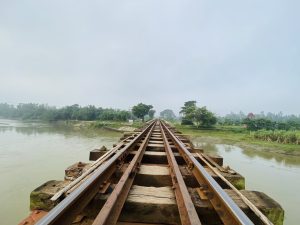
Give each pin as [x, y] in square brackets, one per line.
[226, 208]
[88, 185]
[186, 208]
[111, 210]
[66, 211]
[254, 209]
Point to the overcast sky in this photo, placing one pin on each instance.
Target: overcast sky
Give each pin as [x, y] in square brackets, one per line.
[227, 55]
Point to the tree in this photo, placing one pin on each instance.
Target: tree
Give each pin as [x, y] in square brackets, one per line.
[201, 116]
[204, 118]
[140, 110]
[151, 113]
[167, 114]
[259, 124]
[188, 112]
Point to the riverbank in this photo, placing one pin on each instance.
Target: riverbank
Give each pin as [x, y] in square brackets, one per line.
[116, 126]
[75, 125]
[238, 137]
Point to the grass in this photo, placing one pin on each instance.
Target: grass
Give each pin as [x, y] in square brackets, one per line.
[238, 135]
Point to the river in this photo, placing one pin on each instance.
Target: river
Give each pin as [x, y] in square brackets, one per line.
[32, 153]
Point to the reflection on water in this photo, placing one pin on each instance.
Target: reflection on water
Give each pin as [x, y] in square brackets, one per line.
[277, 175]
[288, 160]
[33, 153]
[34, 128]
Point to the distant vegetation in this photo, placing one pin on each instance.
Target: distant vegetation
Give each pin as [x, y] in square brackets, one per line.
[269, 121]
[195, 115]
[168, 114]
[279, 136]
[32, 111]
[271, 127]
[141, 110]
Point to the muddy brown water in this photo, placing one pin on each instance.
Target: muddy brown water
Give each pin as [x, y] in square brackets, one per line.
[33, 153]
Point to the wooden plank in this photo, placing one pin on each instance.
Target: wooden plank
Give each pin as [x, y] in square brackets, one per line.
[153, 175]
[158, 205]
[156, 142]
[150, 205]
[154, 170]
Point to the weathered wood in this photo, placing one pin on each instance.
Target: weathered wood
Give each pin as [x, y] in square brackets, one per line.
[156, 142]
[160, 157]
[158, 205]
[159, 176]
[153, 175]
[155, 147]
[153, 157]
[145, 205]
[156, 138]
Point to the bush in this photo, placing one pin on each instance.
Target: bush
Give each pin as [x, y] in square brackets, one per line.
[185, 121]
[280, 136]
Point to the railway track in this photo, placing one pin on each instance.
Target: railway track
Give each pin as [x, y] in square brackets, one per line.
[114, 176]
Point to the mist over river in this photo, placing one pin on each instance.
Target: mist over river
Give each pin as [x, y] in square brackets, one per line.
[32, 153]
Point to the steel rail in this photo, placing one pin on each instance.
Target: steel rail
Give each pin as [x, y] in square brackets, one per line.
[254, 209]
[226, 208]
[111, 210]
[94, 166]
[66, 211]
[186, 208]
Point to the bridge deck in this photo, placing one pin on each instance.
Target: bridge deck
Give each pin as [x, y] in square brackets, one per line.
[152, 177]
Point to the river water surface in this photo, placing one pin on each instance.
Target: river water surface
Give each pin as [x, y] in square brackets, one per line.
[33, 153]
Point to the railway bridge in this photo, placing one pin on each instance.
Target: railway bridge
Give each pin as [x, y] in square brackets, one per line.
[152, 176]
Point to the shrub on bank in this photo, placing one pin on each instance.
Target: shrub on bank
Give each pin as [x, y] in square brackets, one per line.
[279, 136]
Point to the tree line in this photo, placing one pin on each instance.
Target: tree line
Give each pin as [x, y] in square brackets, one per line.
[269, 121]
[32, 111]
[191, 114]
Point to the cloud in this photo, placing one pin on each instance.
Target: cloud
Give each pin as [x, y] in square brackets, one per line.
[229, 55]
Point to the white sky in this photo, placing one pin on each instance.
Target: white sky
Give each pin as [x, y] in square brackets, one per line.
[227, 55]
